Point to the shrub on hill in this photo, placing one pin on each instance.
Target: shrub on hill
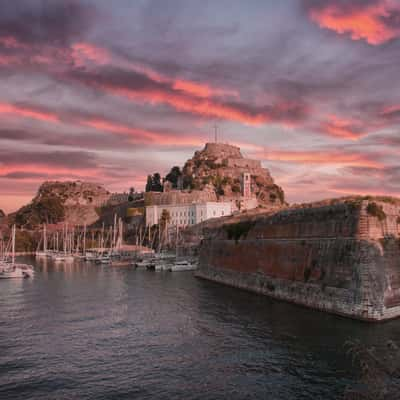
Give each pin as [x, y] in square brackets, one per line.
[49, 210]
[376, 211]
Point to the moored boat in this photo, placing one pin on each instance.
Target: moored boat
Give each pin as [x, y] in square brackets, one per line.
[183, 265]
[10, 269]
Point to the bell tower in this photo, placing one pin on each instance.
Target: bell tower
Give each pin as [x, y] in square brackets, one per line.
[246, 185]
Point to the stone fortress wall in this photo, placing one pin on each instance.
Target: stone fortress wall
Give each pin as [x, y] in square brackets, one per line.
[338, 258]
[242, 163]
[179, 197]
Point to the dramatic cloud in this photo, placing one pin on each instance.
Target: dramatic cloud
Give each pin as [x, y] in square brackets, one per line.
[343, 128]
[322, 157]
[27, 23]
[375, 21]
[139, 87]
[111, 92]
[27, 112]
[99, 123]
[57, 159]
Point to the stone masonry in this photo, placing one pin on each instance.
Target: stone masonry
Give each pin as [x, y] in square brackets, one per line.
[341, 258]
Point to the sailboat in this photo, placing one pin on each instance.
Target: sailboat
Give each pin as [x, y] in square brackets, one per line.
[181, 264]
[44, 252]
[66, 255]
[10, 269]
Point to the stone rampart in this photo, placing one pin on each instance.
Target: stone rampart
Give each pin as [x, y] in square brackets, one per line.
[342, 258]
[179, 197]
[242, 163]
[221, 150]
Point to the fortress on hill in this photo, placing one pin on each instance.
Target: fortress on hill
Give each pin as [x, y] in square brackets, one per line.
[217, 181]
[220, 174]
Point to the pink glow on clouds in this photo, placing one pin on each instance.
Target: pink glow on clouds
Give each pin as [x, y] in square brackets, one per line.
[197, 106]
[44, 169]
[342, 128]
[86, 52]
[10, 42]
[142, 136]
[21, 111]
[83, 52]
[320, 157]
[361, 22]
[362, 192]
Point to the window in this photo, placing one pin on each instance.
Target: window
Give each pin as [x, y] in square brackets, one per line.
[222, 212]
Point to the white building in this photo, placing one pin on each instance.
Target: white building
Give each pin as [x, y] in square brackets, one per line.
[188, 214]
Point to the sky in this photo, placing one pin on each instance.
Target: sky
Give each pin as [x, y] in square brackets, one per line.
[110, 91]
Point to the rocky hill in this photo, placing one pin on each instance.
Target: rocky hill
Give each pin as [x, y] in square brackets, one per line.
[2, 214]
[219, 167]
[73, 201]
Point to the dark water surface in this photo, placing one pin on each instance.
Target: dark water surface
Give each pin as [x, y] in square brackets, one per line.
[98, 332]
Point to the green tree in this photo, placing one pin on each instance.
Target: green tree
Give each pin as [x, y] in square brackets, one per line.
[157, 185]
[173, 176]
[154, 183]
[50, 210]
[149, 184]
[188, 182]
[131, 195]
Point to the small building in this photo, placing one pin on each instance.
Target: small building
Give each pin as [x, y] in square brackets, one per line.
[118, 198]
[184, 215]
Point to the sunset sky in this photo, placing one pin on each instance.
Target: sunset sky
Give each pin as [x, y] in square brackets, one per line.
[110, 91]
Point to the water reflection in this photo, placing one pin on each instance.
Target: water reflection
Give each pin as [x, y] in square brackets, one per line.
[97, 332]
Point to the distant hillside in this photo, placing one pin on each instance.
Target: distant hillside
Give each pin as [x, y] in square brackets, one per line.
[73, 201]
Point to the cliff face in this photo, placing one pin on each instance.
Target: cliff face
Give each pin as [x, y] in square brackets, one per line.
[218, 168]
[342, 258]
[74, 202]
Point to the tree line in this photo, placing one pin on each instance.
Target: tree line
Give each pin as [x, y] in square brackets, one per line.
[156, 184]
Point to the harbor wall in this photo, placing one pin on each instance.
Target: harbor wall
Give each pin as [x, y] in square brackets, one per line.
[342, 258]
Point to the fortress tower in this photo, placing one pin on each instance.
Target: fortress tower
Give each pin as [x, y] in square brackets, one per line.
[246, 185]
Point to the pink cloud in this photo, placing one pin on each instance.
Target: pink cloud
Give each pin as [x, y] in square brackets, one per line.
[321, 157]
[27, 112]
[361, 21]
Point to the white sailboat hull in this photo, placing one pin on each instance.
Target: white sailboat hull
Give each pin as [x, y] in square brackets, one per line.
[183, 266]
[16, 271]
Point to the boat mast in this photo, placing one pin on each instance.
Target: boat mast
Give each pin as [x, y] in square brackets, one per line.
[114, 239]
[102, 239]
[84, 239]
[44, 239]
[13, 245]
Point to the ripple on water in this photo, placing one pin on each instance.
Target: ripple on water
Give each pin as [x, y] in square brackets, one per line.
[92, 332]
